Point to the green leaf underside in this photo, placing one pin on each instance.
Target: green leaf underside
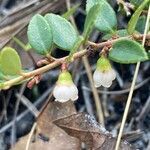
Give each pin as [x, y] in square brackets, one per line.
[10, 63]
[134, 19]
[90, 20]
[106, 20]
[64, 35]
[120, 33]
[127, 51]
[40, 35]
[140, 26]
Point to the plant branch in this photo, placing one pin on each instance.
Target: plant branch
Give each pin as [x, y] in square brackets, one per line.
[110, 42]
[57, 62]
[41, 70]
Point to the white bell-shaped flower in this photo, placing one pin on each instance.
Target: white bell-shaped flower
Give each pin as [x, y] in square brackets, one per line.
[104, 74]
[65, 89]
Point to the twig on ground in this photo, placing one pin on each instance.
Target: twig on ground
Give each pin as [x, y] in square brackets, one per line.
[23, 114]
[104, 102]
[119, 92]
[144, 111]
[30, 136]
[29, 105]
[13, 133]
[87, 99]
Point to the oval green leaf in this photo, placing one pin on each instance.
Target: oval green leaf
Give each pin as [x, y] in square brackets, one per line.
[127, 51]
[10, 63]
[90, 20]
[134, 19]
[40, 35]
[106, 20]
[64, 35]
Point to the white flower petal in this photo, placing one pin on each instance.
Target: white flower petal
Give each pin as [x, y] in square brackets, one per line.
[61, 100]
[108, 77]
[113, 74]
[62, 93]
[97, 78]
[74, 92]
[107, 84]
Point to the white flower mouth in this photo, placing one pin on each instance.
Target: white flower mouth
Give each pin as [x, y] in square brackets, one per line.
[104, 78]
[64, 93]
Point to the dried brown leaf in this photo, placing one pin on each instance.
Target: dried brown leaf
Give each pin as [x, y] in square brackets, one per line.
[50, 136]
[85, 128]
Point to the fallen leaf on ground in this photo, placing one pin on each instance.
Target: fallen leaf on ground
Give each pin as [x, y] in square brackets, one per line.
[50, 136]
[85, 127]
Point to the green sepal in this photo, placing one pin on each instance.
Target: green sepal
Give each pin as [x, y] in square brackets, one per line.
[65, 78]
[103, 64]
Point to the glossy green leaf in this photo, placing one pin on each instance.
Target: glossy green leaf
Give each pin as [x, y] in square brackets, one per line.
[90, 20]
[140, 26]
[106, 20]
[127, 51]
[134, 19]
[120, 33]
[71, 11]
[40, 35]
[64, 35]
[10, 63]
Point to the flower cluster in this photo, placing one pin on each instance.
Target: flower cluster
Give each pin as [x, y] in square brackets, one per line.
[65, 89]
[104, 74]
